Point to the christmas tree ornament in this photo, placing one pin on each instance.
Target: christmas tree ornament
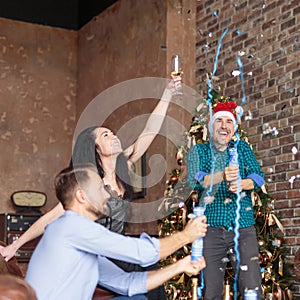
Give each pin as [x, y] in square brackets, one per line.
[173, 179]
[277, 242]
[261, 243]
[256, 201]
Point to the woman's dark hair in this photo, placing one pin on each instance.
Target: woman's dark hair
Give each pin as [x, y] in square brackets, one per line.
[85, 151]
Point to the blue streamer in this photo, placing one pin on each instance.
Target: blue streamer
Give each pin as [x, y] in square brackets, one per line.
[201, 286]
[239, 62]
[238, 207]
[209, 102]
[238, 200]
[210, 97]
[209, 191]
[237, 234]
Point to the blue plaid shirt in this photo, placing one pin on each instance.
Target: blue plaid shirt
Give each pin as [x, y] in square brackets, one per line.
[221, 212]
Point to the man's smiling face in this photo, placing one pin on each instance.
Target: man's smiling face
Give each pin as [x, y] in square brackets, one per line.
[223, 130]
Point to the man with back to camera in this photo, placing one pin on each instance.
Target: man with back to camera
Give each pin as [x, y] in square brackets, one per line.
[70, 259]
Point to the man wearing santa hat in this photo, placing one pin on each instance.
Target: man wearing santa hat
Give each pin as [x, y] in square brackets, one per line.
[220, 185]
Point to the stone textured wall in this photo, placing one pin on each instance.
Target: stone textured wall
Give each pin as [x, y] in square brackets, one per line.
[266, 37]
[130, 40]
[37, 106]
[125, 42]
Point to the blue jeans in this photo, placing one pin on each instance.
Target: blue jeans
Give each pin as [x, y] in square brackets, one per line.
[219, 245]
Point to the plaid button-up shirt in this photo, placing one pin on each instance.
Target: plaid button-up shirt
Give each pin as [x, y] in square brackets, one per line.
[221, 212]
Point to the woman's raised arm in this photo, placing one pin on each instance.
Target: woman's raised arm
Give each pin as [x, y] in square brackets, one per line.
[153, 125]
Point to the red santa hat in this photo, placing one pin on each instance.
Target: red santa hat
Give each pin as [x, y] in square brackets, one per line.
[225, 109]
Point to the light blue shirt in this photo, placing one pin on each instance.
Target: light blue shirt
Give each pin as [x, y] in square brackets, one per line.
[70, 260]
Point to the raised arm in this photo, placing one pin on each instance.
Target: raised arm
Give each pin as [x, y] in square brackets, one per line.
[153, 125]
[35, 230]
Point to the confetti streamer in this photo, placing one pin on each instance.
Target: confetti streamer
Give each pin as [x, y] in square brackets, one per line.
[209, 102]
[240, 64]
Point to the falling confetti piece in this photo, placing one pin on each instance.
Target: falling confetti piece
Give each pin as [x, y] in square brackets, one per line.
[225, 260]
[206, 47]
[249, 116]
[274, 131]
[292, 179]
[242, 53]
[267, 129]
[239, 32]
[250, 73]
[294, 150]
[235, 73]
[227, 200]
[181, 204]
[216, 12]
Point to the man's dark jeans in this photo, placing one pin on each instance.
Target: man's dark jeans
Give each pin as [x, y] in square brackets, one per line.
[218, 248]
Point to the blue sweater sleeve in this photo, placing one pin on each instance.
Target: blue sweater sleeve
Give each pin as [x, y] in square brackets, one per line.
[251, 166]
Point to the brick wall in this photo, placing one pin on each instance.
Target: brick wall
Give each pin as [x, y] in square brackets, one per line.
[266, 36]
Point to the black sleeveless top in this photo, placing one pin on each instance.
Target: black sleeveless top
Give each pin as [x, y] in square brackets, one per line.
[115, 221]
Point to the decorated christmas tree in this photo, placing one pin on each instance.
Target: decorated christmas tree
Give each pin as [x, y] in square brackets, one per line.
[178, 204]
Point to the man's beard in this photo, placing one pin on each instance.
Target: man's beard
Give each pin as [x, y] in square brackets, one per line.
[98, 213]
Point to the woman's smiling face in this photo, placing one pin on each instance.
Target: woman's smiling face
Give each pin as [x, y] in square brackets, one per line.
[107, 142]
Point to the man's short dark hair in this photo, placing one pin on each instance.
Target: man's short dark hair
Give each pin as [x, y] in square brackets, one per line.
[70, 179]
